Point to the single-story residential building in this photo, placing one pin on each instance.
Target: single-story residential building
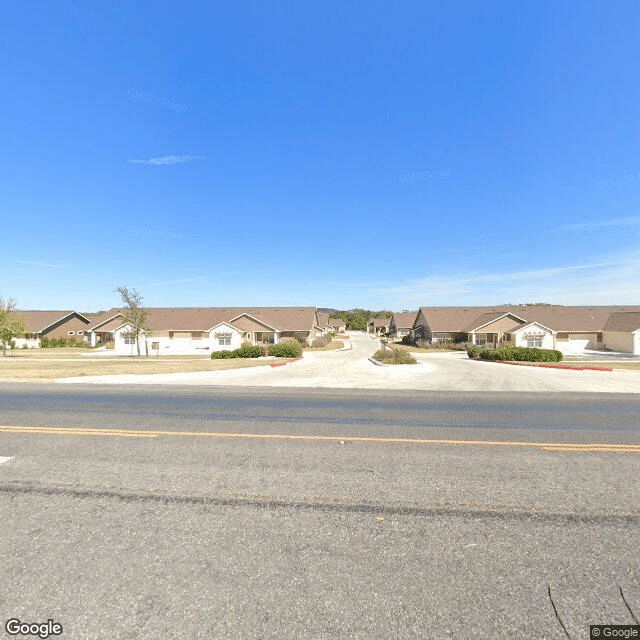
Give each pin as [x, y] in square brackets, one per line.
[191, 330]
[378, 326]
[569, 329]
[52, 324]
[323, 323]
[621, 332]
[401, 324]
[338, 325]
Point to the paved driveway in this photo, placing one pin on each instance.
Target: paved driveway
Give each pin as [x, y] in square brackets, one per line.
[437, 371]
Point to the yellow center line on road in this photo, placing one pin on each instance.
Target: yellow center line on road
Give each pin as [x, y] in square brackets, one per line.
[138, 433]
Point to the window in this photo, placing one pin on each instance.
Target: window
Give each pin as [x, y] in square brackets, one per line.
[534, 340]
[69, 333]
[128, 338]
[224, 339]
[80, 333]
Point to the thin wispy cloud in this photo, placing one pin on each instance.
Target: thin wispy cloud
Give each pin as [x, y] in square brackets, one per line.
[46, 265]
[604, 282]
[161, 161]
[631, 221]
[357, 285]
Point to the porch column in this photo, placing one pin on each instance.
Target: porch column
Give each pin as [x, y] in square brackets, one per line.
[473, 337]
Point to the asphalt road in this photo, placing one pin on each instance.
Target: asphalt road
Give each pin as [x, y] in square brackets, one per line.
[167, 512]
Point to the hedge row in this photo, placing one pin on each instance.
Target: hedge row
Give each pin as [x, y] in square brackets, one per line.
[47, 342]
[517, 354]
[289, 349]
[245, 351]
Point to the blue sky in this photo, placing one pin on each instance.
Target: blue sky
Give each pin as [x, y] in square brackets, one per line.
[345, 154]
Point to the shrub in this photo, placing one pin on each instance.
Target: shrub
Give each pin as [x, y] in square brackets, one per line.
[394, 356]
[247, 350]
[286, 350]
[45, 341]
[320, 342]
[221, 355]
[408, 340]
[514, 354]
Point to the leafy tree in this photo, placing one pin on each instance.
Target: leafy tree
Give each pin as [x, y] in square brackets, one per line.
[136, 316]
[11, 325]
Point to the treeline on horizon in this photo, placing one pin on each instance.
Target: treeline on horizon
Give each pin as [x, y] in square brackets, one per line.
[356, 319]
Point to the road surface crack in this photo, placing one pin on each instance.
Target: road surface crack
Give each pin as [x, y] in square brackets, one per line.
[555, 610]
[633, 615]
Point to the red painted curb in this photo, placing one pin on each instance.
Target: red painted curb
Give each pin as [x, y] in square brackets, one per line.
[551, 366]
[281, 364]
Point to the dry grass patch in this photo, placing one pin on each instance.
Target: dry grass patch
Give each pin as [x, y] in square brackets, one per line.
[623, 364]
[32, 369]
[332, 346]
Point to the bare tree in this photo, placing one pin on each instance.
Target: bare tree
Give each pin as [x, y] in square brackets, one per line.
[10, 324]
[137, 317]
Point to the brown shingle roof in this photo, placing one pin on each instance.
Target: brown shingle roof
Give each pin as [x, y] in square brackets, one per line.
[38, 321]
[623, 321]
[404, 320]
[557, 317]
[203, 318]
[451, 319]
[486, 318]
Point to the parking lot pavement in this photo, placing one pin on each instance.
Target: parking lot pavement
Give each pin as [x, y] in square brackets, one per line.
[446, 371]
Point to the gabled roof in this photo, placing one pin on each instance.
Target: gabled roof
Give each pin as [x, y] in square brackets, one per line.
[404, 319]
[337, 322]
[558, 317]
[623, 321]
[223, 324]
[451, 319]
[518, 327]
[254, 319]
[323, 320]
[39, 321]
[102, 319]
[202, 318]
[380, 322]
[487, 318]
